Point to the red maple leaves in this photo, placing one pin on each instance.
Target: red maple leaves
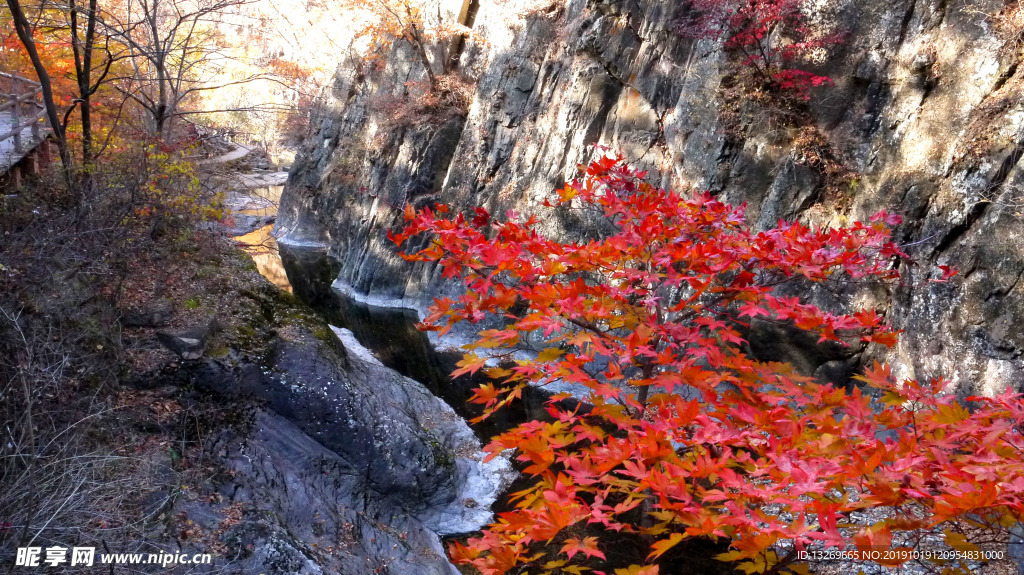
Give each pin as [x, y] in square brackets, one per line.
[771, 36]
[683, 434]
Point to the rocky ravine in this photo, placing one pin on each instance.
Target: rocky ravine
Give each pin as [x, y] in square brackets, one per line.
[925, 110]
[317, 458]
[345, 467]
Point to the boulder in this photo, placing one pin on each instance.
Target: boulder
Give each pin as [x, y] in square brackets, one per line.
[189, 343]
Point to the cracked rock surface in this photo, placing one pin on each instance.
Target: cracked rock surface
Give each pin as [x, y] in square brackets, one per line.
[925, 109]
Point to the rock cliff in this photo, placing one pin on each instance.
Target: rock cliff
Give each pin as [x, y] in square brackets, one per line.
[924, 118]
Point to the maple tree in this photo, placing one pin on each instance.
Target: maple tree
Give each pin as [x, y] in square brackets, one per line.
[24, 31]
[681, 433]
[771, 36]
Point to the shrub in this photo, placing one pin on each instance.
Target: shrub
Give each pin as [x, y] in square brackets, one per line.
[771, 37]
[68, 261]
[420, 105]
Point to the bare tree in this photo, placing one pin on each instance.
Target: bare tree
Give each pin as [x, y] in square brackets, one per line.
[421, 24]
[176, 51]
[83, 48]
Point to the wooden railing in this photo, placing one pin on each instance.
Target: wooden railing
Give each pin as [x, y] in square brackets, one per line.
[21, 98]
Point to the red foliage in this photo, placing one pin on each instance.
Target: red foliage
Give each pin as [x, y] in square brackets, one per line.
[771, 36]
[683, 434]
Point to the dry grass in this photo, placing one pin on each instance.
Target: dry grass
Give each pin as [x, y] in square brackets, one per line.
[84, 460]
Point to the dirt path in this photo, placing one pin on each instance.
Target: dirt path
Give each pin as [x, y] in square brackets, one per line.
[239, 152]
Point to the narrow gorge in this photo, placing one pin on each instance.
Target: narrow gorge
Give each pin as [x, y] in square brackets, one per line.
[219, 339]
[922, 117]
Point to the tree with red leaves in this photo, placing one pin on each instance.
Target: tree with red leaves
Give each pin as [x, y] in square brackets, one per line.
[682, 434]
[772, 37]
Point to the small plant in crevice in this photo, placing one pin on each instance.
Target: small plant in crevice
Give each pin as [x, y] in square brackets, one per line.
[771, 38]
[812, 148]
[421, 105]
[1008, 23]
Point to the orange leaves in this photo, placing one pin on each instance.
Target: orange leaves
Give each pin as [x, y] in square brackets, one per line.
[469, 363]
[586, 546]
[486, 394]
[874, 538]
[681, 433]
[886, 338]
[660, 547]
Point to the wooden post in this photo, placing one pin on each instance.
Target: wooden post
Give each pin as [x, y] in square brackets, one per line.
[35, 125]
[45, 154]
[32, 163]
[16, 118]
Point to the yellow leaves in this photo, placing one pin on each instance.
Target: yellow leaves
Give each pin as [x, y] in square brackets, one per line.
[951, 413]
[731, 555]
[554, 564]
[549, 354]
[959, 542]
[762, 563]
[1008, 520]
[638, 570]
[497, 372]
[470, 363]
[893, 398]
[567, 193]
[660, 547]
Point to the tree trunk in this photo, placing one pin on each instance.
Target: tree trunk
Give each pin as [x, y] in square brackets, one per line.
[83, 74]
[416, 39]
[24, 30]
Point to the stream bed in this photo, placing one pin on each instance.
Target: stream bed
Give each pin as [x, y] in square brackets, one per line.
[388, 336]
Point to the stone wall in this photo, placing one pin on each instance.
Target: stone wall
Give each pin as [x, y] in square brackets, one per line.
[925, 110]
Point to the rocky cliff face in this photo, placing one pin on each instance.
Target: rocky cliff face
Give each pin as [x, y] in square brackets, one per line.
[925, 114]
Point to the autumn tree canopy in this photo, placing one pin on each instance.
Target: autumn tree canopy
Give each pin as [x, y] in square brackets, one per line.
[682, 433]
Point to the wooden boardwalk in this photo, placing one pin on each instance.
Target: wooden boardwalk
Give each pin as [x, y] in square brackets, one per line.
[22, 127]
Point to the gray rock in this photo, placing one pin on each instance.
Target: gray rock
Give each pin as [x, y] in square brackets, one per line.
[348, 467]
[309, 510]
[190, 343]
[154, 315]
[925, 107]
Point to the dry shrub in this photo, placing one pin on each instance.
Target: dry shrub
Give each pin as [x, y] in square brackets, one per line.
[1009, 23]
[420, 105]
[66, 475]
